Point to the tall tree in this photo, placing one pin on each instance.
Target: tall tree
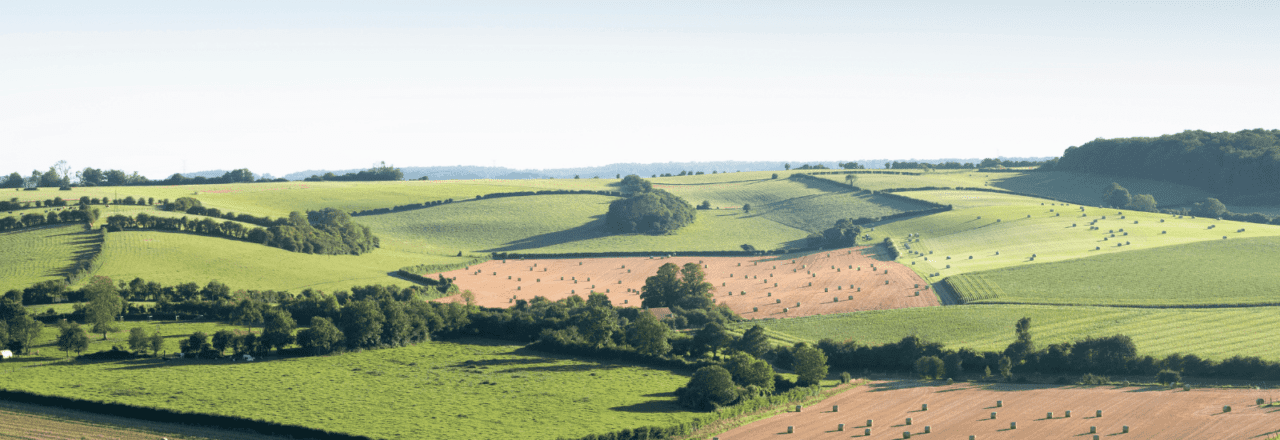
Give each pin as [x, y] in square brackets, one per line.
[322, 337]
[754, 342]
[810, 365]
[749, 371]
[695, 291]
[661, 289]
[104, 305]
[247, 313]
[72, 338]
[138, 339]
[648, 335]
[712, 337]
[1023, 345]
[1117, 196]
[709, 388]
[277, 330]
[1143, 202]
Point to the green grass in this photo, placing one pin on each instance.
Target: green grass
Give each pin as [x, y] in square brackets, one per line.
[819, 212]
[1217, 272]
[1215, 333]
[972, 229]
[173, 331]
[477, 389]
[171, 258]
[1088, 188]
[34, 255]
[561, 224]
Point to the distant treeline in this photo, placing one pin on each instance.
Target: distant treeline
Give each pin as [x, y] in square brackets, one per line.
[984, 164]
[413, 206]
[1244, 163]
[379, 173]
[97, 177]
[328, 231]
[14, 204]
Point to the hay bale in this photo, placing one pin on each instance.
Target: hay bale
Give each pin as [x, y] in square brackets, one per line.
[869, 424]
[993, 415]
[1226, 408]
[791, 430]
[1261, 401]
[1013, 425]
[999, 404]
[768, 294]
[908, 420]
[866, 432]
[1068, 415]
[906, 434]
[1049, 415]
[840, 427]
[928, 429]
[850, 297]
[797, 303]
[835, 299]
[797, 408]
[1124, 429]
[924, 407]
[1098, 414]
[755, 309]
[1093, 429]
[777, 301]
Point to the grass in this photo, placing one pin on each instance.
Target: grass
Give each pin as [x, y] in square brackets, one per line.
[172, 258]
[984, 223]
[41, 254]
[818, 212]
[562, 224]
[173, 331]
[21, 421]
[1088, 188]
[476, 389]
[1215, 333]
[1216, 272]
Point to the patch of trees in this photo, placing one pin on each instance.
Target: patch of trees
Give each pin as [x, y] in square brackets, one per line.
[399, 208]
[845, 233]
[328, 231]
[1229, 164]
[649, 212]
[83, 214]
[18, 328]
[374, 174]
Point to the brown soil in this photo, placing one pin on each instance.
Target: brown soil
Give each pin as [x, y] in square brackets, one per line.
[771, 283]
[960, 410]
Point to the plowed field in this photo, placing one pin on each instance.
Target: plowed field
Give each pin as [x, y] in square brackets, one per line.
[961, 410]
[838, 281]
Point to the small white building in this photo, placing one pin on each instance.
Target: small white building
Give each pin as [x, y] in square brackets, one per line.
[5, 354]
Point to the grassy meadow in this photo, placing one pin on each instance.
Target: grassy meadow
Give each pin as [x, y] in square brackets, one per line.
[984, 224]
[172, 257]
[468, 389]
[41, 254]
[1214, 333]
[1215, 272]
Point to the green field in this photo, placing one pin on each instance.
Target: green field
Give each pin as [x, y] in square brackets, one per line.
[1215, 333]
[476, 389]
[1219, 272]
[41, 254]
[819, 212]
[172, 258]
[985, 223]
[1088, 189]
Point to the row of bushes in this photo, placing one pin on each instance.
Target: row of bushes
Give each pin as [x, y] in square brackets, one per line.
[568, 255]
[88, 263]
[759, 403]
[154, 414]
[423, 205]
[56, 202]
[422, 269]
[328, 232]
[399, 208]
[82, 215]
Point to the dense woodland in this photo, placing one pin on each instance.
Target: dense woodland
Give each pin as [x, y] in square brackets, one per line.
[1233, 165]
[647, 210]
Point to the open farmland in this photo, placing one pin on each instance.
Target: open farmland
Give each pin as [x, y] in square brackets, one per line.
[963, 409]
[1213, 333]
[472, 389]
[172, 258]
[1217, 272]
[838, 281]
[1087, 189]
[21, 421]
[41, 254]
[1004, 230]
[561, 224]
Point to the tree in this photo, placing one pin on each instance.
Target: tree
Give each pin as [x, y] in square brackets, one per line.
[753, 342]
[661, 289]
[930, 367]
[50, 178]
[648, 335]
[786, 166]
[810, 365]
[953, 364]
[749, 371]
[1168, 377]
[850, 178]
[653, 212]
[1005, 365]
[222, 339]
[247, 313]
[746, 208]
[695, 291]
[633, 184]
[1210, 207]
[599, 324]
[709, 388]
[14, 180]
[157, 342]
[104, 304]
[321, 338]
[138, 339]
[196, 344]
[361, 322]
[277, 331]
[1143, 202]
[1117, 196]
[712, 337]
[1023, 346]
[73, 338]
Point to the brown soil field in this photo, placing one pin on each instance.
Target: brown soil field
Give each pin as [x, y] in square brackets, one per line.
[961, 410]
[835, 281]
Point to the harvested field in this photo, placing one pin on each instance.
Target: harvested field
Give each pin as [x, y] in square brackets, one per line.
[772, 284]
[22, 421]
[960, 410]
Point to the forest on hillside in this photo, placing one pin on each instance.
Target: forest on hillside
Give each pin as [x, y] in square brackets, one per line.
[1240, 165]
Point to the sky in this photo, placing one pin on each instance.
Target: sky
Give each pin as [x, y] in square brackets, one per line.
[160, 87]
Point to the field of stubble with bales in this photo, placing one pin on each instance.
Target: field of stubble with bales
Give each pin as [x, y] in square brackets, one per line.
[953, 258]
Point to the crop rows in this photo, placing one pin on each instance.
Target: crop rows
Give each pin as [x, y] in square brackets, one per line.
[35, 255]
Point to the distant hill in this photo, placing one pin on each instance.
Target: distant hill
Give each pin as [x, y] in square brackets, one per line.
[469, 172]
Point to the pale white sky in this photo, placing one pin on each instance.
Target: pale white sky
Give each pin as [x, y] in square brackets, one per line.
[284, 86]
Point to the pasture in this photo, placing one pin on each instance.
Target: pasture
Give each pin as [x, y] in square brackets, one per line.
[836, 281]
[1039, 411]
[21, 421]
[41, 254]
[1216, 272]
[173, 257]
[472, 389]
[1213, 333]
[989, 231]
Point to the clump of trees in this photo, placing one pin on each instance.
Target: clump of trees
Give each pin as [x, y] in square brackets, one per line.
[1118, 197]
[329, 231]
[844, 233]
[674, 286]
[646, 210]
[377, 173]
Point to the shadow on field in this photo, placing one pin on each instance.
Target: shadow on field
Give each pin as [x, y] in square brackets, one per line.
[652, 406]
[592, 229]
[87, 245]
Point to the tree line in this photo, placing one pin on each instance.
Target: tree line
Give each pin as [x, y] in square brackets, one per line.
[1118, 197]
[1236, 164]
[60, 176]
[83, 214]
[328, 231]
[951, 165]
[377, 173]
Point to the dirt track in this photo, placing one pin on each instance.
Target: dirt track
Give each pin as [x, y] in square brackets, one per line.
[961, 410]
[771, 284]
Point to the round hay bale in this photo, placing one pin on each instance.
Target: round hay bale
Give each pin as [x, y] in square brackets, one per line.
[797, 303]
[1068, 415]
[999, 404]
[1226, 408]
[797, 408]
[973, 437]
[866, 432]
[1049, 415]
[835, 299]
[1013, 425]
[625, 301]
[928, 429]
[785, 310]
[755, 309]
[1261, 401]
[851, 297]
[924, 407]
[768, 294]
[1098, 414]
[1124, 429]
[777, 301]
[1093, 429]
[791, 430]
[908, 420]
[1095, 437]
[840, 427]
[869, 424]
[906, 434]
[917, 293]
[993, 415]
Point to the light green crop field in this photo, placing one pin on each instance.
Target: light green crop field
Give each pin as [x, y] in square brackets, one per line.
[734, 194]
[915, 179]
[818, 212]
[476, 389]
[1215, 333]
[34, 255]
[170, 258]
[561, 224]
[984, 224]
[1216, 272]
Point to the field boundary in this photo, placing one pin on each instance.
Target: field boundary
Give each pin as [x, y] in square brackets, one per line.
[434, 203]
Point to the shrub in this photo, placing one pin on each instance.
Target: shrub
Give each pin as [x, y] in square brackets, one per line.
[711, 387]
[1168, 377]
